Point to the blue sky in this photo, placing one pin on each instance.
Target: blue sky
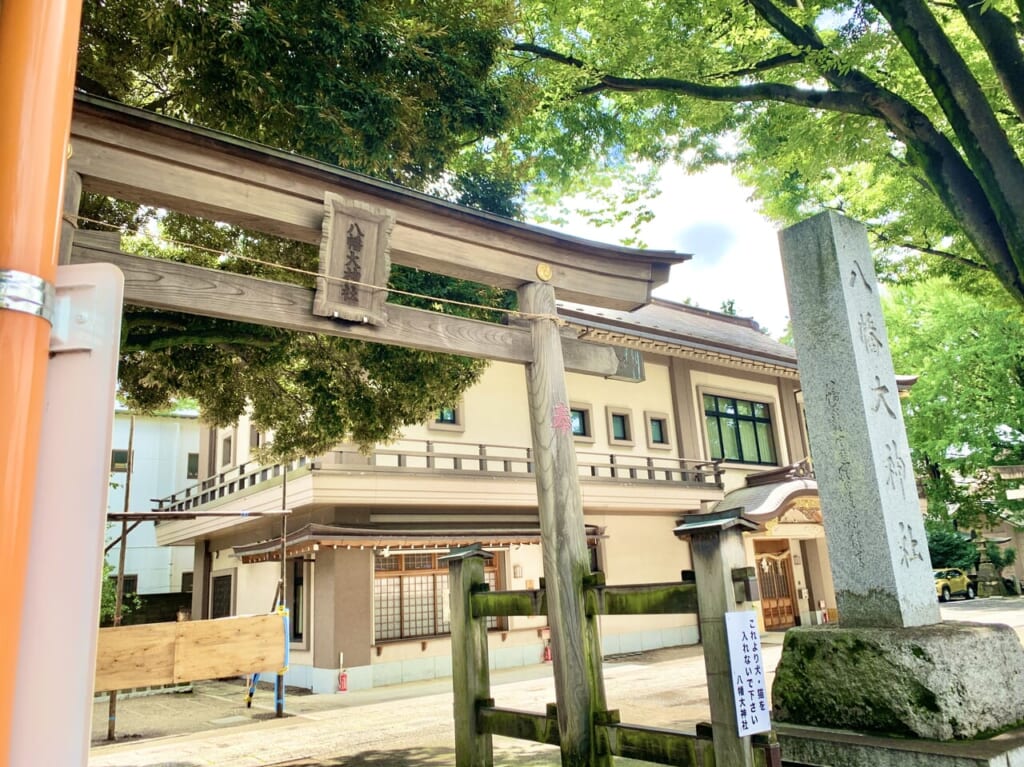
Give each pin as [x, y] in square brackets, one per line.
[735, 250]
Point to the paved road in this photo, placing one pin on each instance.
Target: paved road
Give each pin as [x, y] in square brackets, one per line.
[993, 610]
[410, 725]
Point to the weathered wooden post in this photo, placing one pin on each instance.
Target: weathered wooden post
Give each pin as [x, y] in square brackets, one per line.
[69, 223]
[471, 678]
[716, 544]
[575, 645]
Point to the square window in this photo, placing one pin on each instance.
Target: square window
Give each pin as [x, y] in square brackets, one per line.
[739, 430]
[119, 460]
[658, 430]
[448, 419]
[192, 469]
[297, 600]
[131, 583]
[222, 595]
[579, 423]
[620, 427]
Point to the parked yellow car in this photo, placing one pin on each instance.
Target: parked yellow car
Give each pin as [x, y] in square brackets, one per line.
[952, 582]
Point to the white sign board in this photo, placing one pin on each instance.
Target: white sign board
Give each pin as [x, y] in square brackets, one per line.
[748, 688]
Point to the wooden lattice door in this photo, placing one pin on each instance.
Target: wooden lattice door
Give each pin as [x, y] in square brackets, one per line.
[778, 597]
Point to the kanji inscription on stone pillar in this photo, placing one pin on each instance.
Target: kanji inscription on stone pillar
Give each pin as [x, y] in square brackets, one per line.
[873, 522]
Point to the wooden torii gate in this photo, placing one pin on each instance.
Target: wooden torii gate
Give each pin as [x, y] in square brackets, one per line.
[132, 155]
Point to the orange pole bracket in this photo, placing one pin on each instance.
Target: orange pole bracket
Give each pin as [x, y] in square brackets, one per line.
[38, 42]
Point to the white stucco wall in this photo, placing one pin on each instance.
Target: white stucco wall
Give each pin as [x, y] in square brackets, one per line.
[161, 445]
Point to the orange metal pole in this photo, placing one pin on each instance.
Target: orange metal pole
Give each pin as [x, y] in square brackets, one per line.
[38, 42]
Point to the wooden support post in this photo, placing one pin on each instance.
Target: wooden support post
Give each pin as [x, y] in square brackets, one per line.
[471, 679]
[283, 598]
[716, 544]
[576, 648]
[119, 594]
[69, 223]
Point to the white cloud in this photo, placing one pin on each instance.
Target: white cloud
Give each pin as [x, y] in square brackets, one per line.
[735, 250]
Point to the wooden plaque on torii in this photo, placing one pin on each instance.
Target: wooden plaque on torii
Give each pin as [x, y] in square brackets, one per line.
[355, 261]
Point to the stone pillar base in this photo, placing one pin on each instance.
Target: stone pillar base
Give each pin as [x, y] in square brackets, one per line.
[946, 681]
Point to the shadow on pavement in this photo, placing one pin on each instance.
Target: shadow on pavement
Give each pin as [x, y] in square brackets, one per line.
[406, 757]
[429, 757]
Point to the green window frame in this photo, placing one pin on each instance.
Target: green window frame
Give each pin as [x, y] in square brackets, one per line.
[119, 460]
[739, 430]
[579, 418]
[620, 427]
[192, 466]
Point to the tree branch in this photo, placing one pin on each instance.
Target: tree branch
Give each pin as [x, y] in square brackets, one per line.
[993, 160]
[800, 36]
[998, 37]
[881, 236]
[834, 101]
[967, 191]
[546, 53]
[812, 99]
[775, 62]
[89, 85]
[157, 104]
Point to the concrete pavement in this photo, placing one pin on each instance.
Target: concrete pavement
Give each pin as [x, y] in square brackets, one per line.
[410, 725]
[401, 726]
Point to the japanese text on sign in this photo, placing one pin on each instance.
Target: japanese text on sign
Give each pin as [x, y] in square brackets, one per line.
[748, 687]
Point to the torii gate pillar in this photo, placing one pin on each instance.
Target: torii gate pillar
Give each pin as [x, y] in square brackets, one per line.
[576, 650]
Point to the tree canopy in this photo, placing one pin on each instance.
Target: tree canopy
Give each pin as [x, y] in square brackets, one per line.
[904, 114]
[965, 414]
[398, 90]
[386, 87]
[948, 548]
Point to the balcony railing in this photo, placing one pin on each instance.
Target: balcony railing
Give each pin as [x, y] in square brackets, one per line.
[225, 483]
[454, 458]
[512, 459]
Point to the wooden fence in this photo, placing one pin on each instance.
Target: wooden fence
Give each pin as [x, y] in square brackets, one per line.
[477, 718]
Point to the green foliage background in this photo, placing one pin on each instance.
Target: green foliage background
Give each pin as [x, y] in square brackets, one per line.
[965, 414]
[904, 114]
[398, 90]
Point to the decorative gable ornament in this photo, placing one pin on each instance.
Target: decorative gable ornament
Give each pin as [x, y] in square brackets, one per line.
[355, 261]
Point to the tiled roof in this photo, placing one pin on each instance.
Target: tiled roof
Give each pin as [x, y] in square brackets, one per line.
[668, 324]
[313, 535]
[764, 502]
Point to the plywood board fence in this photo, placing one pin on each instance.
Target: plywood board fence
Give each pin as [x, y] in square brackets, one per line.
[172, 653]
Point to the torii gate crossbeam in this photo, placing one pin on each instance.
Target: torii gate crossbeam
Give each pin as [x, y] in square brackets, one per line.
[132, 155]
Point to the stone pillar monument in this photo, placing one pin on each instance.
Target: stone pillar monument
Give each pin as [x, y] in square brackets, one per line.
[875, 532]
[890, 665]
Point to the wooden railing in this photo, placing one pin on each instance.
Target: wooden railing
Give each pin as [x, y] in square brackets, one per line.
[449, 457]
